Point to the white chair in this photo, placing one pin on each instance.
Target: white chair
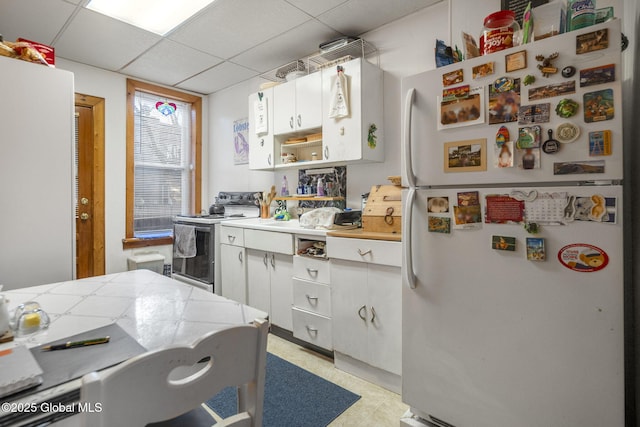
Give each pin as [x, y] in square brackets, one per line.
[148, 388]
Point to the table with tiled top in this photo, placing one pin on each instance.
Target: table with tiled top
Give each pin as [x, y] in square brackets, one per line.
[155, 310]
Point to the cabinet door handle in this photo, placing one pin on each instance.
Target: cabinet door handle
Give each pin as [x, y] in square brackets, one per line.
[291, 122]
[240, 257]
[312, 300]
[269, 159]
[231, 238]
[368, 251]
[273, 260]
[265, 259]
[261, 142]
[299, 120]
[312, 271]
[312, 330]
[363, 316]
[326, 152]
[373, 314]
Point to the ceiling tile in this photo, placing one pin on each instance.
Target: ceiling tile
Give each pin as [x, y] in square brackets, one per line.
[298, 43]
[354, 17]
[37, 20]
[315, 7]
[97, 40]
[157, 64]
[219, 77]
[229, 27]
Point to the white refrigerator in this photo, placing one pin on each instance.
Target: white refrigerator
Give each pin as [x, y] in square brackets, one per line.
[512, 298]
[37, 202]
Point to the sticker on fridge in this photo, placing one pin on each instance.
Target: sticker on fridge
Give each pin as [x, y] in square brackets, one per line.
[583, 257]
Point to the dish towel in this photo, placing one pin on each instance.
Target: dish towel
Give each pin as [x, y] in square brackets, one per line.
[321, 218]
[184, 241]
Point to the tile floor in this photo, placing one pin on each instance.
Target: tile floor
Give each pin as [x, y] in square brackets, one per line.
[377, 407]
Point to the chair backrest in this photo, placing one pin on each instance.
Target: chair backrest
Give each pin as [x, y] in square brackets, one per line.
[149, 388]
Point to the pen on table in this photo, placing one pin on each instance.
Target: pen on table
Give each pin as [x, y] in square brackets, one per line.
[74, 344]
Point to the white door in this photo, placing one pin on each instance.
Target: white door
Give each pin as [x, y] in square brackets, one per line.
[493, 339]
[258, 280]
[309, 101]
[234, 273]
[385, 317]
[350, 311]
[342, 137]
[284, 102]
[281, 269]
[261, 147]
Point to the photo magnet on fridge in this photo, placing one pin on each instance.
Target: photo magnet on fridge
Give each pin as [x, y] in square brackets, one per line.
[503, 243]
[535, 249]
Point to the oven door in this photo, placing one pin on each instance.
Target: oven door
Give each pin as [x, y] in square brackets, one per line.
[199, 268]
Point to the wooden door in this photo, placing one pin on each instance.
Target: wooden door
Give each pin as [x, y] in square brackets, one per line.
[90, 258]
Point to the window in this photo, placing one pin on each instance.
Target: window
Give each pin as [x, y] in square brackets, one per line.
[163, 161]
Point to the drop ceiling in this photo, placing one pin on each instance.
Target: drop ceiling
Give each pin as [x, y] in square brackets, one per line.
[226, 43]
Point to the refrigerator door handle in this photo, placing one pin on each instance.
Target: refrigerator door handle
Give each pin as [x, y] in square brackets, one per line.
[407, 255]
[409, 178]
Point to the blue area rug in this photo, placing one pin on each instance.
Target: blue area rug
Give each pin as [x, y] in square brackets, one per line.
[293, 397]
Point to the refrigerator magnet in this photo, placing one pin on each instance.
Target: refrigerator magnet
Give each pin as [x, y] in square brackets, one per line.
[550, 146]
[583, 257]
[439, 224]
[503, 243]
[598, 106]
[504, 155]
[567, 132]
[535, 249]
[600, 143]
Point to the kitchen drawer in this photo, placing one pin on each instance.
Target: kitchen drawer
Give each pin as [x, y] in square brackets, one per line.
[231, 236]
[312, 328]
[270, 241]
[312, 296]
[314, 269]
[382, 252]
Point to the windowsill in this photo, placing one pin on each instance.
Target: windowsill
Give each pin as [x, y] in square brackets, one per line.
[133, 243]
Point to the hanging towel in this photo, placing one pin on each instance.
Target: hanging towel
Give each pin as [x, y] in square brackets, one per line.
[261, 115]
[184, 241]
[339, 102]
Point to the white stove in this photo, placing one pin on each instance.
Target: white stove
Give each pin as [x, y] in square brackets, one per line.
[195, 238]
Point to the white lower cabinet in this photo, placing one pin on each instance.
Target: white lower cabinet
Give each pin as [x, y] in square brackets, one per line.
[312, 301]
[233, 269]
[366, 303]
[269, 275]
[234, 273]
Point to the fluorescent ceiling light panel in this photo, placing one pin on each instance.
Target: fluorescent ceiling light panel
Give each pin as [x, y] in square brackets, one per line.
[157, 16]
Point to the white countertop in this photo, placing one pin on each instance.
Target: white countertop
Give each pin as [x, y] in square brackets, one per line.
[270, 224]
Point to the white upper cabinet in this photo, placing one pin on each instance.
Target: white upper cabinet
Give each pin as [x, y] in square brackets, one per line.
[261, 145]
[298, 105]
[358, 136]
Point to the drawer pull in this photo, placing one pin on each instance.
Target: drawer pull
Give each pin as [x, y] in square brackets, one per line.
[363, 317]
[231, 238]
[312, 271]
[312, 330]
[373, 314]
[368, 251]
[312, 300]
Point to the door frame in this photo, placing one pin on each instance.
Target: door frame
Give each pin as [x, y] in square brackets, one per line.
[97, 251]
